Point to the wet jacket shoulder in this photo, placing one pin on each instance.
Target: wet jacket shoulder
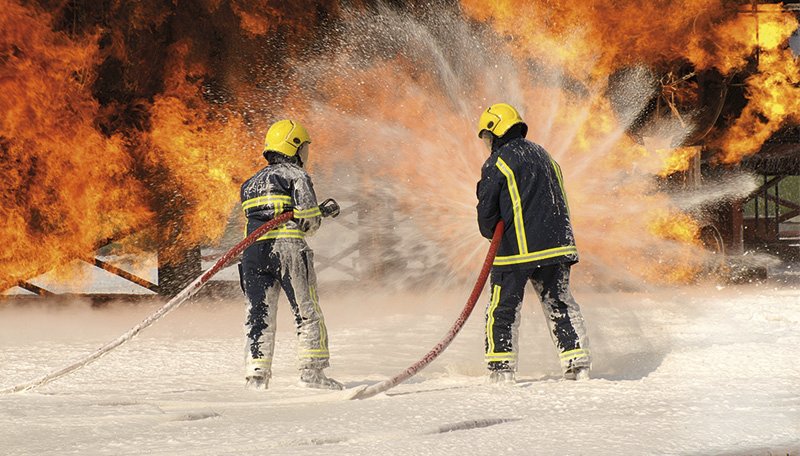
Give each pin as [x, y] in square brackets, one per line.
[523, 186]
[280, 186]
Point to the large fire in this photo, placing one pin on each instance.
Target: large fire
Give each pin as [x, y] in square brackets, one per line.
[65, 185]
[593, 41]
[148, 114]
[109, 129]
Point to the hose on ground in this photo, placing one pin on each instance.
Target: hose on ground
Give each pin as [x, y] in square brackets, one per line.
[369, 391]
[171, 305]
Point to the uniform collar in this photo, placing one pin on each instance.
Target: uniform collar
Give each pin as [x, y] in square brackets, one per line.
[274, 158]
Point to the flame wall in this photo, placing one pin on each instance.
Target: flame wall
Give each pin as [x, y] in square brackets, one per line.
[121, 116]
[65, 184]
[118, 116]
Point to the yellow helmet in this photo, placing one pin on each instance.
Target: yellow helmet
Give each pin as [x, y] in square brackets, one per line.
[498, 118]
[285, 137]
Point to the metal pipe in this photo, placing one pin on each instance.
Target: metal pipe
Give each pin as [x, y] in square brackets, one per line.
[777, 211]
[34, 288]
[124, 274]
[755, 204]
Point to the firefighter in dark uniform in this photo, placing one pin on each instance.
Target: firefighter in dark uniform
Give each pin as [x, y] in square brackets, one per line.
[523, 186]
[281, 259]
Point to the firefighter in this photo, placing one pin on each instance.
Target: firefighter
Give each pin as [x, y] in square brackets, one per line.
[281, 259]
[523, 186]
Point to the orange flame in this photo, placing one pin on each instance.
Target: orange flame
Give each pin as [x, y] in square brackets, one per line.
[772, 91]
[774, 100]
[593, 40]
[206, 158]
[75, 174]
[90, 154]
[65, 185]
[675, 160]
[678, 227]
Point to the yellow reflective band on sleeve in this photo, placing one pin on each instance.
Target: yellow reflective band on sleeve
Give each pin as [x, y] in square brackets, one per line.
[535, 256]
[283, 233]
[278, 202]
[573, 354]
[560, 178]
[490, 318]
[265, 200]
[260, 362]
[308, 213]
[516, 204]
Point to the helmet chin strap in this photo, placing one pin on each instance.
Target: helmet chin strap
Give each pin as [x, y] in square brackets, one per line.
[488, 139]
[302, 154]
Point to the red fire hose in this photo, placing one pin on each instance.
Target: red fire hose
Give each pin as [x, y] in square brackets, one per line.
[369, 391]
[171, 305]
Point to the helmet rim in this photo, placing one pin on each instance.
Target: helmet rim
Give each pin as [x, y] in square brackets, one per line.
[285, 137]
[498, 119]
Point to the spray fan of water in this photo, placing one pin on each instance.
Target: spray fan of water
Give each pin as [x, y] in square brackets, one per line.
[392, 100]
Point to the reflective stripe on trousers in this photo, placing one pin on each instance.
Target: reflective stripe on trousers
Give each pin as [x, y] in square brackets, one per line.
[564, 318]
[268, 267]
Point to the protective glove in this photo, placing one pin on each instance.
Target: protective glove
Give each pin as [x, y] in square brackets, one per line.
[329, 208]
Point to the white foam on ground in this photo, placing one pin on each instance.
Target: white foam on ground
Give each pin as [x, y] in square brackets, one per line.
[701, 370]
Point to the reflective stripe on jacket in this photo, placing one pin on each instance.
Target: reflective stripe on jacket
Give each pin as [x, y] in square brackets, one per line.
[522, 185]
[276, 188]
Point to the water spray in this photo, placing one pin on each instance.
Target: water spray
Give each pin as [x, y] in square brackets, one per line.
[365, 392]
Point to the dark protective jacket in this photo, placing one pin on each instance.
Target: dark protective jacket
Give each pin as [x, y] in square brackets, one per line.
[280, 186]
[522, 185]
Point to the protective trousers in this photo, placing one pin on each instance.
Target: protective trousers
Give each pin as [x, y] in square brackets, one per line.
[268, 267]
[563, 315]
